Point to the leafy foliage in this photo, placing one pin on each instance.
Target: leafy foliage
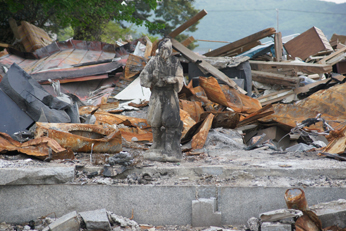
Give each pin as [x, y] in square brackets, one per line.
[88, 18]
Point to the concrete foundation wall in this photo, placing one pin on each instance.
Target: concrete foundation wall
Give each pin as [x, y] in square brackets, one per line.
[156, 205]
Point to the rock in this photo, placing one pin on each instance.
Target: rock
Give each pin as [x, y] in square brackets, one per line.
[67, 222]
[331, 213]
[280, 214]
[22, 176]
[253, 224]
[96, 219]
[122, 221]
[275, 226]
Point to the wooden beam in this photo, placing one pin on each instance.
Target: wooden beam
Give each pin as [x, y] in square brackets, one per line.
[242, 49]
[241, 42]
[14, 28]
[278, 46]
[4, 45]
[332, 55]
[188, 23]
[271, 78]
[308, 68]
[188, 41]
[204, 65]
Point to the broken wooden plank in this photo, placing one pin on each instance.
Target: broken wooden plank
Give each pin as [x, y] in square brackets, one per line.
[308, 68]
[275, 97]
[308, 43]
[148, 48]
[271, 78]
[188, 41]
[199, 139]
[241, 42]
[4, 45]
[188, 23]
[337, 145]
[332, 55]
[190, 55]
[242, 49]
[278, 46]
[253, 117]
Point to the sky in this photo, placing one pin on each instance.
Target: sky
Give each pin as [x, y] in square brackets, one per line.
[336, 1]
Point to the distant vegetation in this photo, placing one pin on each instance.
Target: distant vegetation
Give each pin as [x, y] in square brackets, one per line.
[230, 20]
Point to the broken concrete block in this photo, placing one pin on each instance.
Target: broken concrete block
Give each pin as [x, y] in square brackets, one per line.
[122, 221]
[253, 224]
[96, 219]
[280, 214]
[67, 222]
[203, 213]
[275, 226]
[52, 175]
[331, 213]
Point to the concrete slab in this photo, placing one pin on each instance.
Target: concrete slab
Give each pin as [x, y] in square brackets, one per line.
[204, 213]
[96, 219]
[37, 176]
[67, 222]
[156, 205]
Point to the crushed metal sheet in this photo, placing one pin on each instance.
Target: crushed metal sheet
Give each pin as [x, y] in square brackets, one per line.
[188, 122]
[82, 137]
[330, 103]
[192, 107]
[38, 147]
[134, 65]
[226, 119]
[199, 139]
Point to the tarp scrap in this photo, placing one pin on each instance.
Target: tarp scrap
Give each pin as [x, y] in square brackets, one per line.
[82, 137]
[37, 147]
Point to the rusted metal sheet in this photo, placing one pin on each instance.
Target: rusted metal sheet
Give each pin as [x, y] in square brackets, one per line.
[225, 119]
[139, 137]
[134, 65]
[330, 103]
[38, 148]
[249, 105]
[103, 117]
[305, 223]
[192, 107]
[82, 137]
[108, 106]
[199, 139]
[188, 122]
[215, 94]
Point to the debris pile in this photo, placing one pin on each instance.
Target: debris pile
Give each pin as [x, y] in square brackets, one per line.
[298, 215]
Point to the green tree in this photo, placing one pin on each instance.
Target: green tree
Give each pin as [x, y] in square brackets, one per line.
[170, 13]
[88, 18]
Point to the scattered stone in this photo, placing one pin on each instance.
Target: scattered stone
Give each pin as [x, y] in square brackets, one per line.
[23, 176]
[96, 219]
[122, 221]
[331, 213]
[253, 224]
[204, 214]
[69, 222]
[280, 214]
[122, 158]
[91, 175]
[275, 226]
